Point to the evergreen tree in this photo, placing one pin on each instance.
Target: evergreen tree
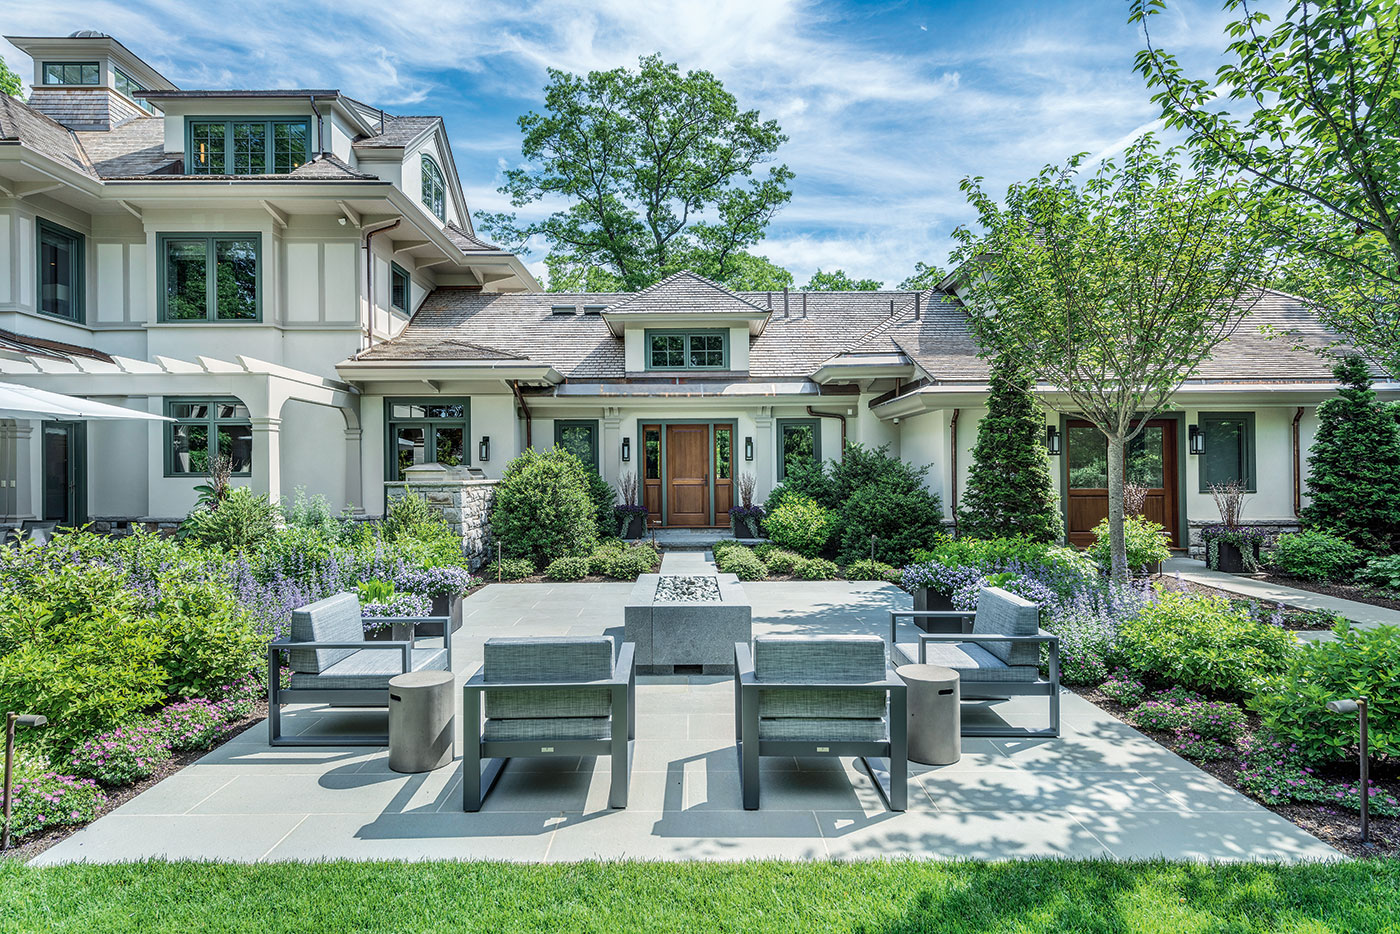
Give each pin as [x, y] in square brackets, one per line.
[1354, 465]
[1009, 489]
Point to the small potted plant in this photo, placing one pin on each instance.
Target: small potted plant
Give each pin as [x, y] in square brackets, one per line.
[631, 517]
[745, 519]
[445, 586]
[1229, 546]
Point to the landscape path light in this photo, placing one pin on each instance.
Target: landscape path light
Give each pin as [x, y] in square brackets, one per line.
[1358, 707]
[11, 720]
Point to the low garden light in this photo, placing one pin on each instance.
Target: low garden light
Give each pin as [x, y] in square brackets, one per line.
[483, 450]
[1052, 440]
[626, 450]
[11, 721]
[1358, 707]
[1196, 442]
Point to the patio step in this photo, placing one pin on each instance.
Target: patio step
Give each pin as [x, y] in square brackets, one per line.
[696, 539]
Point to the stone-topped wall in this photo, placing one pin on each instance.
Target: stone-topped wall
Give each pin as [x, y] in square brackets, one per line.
[1272, 526]
[463, 501]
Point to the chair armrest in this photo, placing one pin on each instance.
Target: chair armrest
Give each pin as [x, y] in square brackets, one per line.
[984, 637]
[405, 647]
[626, 661]
[743, 663]
[934, 614]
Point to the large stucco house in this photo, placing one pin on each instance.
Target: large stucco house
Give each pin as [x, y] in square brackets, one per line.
[293, 277]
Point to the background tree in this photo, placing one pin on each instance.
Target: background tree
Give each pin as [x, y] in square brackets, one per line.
[923, 278]
[838, 281]
[1316, 130]
[1354, 465]
[1112, 290]
[10, 82]
[659, 170]
[1009, 488]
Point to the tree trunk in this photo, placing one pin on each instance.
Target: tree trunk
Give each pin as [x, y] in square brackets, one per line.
[1117, 543]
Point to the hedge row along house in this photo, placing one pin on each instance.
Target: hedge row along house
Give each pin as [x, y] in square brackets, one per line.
[292, 276]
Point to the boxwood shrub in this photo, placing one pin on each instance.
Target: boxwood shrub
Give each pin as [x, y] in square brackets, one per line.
[508, 569]
[782, 561]
[816, 569]
[567, 569]
[544, 507]
[742, 562]
[867, 570]
[800, 524]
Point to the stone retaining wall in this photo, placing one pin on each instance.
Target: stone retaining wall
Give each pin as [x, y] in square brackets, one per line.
[464, 502]
[1272, 526]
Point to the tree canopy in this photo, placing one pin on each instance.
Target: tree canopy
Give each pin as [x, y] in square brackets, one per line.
[923, 278]
[10, 83]
[838, 281]
[1308, 111]
[660, 171]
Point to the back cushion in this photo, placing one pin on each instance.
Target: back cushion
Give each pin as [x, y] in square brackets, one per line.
[1003, 613]
[560, 659]
[334, 619]
[820, 660]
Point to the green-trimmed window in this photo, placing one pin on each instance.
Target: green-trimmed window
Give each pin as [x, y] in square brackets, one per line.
[434, 188]
[1229, 449]
[60, 271]
[206, 429]
[88, 73]
[131, 87]
[400, 288]
[799, 442]
[427, 431]
[687, 350]
[210, 277]
[258, 146]
[580, 437]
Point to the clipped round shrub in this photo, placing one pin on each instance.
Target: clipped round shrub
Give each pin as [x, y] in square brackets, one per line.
[53, 800]
[1123, 690]
[867, 570]
[544, 507]
[900, 519]
[800, 524]
[816, 569]
[625, 563]
[508, 569]
[782, 561]
[1315, 556]
[120, 756]
[741, 562]
[567, 569]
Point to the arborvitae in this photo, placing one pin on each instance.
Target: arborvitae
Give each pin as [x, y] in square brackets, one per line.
[1009, 487]
[1354, 464]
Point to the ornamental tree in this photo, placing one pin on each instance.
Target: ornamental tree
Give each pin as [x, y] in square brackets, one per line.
[1112, 288]
[1354, 465]
[1010, 492]
[1308, 112]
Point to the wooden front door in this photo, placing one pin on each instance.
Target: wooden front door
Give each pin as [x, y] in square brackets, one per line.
[1151, 462]
[688, 475]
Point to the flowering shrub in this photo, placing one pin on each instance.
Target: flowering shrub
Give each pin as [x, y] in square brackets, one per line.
[1164, 716]
[1214, 720]
[1124, 690]
[1274, 772]
[402, 604]
[53, 800]
[121, 756]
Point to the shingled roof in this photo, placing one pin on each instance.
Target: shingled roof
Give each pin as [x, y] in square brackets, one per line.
[685, 293]
[22, 124]
[398, 132]
[468, 243]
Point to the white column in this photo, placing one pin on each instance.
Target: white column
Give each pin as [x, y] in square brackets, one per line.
[267, 457]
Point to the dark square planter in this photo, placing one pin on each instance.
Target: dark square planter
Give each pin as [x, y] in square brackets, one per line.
[1228, 557]
[744, 528]
[633, 525]
[926, 598]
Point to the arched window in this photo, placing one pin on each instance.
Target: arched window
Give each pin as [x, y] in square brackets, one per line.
[434, 191]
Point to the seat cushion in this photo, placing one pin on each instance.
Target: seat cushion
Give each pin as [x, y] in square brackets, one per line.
[370, 668]
[565, 660]
[547, 728]
[334, 619]
[1002, 613]
[850, 729]
[974, 663]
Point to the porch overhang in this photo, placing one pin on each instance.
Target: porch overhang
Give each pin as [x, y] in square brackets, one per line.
[699, 389]
[437, 371]
[857, 368]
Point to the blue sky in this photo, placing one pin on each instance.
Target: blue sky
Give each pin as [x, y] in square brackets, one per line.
[887, 105]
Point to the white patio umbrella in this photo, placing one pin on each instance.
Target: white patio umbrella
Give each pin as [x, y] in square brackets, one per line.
[18, 401]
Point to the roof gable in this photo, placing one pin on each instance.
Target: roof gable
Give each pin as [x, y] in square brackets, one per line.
[685, 294]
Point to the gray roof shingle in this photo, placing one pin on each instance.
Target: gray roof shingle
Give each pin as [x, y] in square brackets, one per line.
[685, 293]
[136, 147]
[468, 243]
[42, 134]
[398, 132]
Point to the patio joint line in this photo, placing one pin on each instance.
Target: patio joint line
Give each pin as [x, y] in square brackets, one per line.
[282, 838]
[231, 780]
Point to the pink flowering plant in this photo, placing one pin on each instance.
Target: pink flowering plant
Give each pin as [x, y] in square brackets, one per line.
[1274, 772]
[193, 724]
[1123, 689]
[1195, 746]
[121, 756]
[51, 800]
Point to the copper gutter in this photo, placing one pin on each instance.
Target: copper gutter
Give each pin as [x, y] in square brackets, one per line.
[816, 414]
[1297, 464]
[515, 388]
[953, 484]
[369, 279]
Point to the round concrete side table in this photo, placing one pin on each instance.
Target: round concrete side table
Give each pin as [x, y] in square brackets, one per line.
[935, 713]
[420, 721]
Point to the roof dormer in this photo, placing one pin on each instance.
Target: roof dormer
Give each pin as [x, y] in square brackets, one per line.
[88, 80]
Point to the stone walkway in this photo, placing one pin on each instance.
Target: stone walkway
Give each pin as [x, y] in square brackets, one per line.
[1102, 789]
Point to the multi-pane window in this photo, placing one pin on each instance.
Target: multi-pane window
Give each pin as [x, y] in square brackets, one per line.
[247, 147]
[1229, 449]
[799, 442]
[131, 87]
[676, 350]
[434, 189]
[400, 288]
[204, 430]
[423, 431]
[60, 271]
[72, 73]
[210, 277]
[580, 438]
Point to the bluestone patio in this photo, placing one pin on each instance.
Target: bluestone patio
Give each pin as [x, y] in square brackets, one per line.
[1101, 789]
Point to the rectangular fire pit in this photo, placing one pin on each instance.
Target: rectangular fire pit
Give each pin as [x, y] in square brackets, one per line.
[683, 621]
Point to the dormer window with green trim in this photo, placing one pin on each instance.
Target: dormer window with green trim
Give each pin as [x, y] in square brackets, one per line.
[246, 146]
[79, 73]
[687, 350]
[434, 189]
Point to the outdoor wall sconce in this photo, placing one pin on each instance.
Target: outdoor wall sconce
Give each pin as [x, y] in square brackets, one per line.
[1358, 707]
[626, 449]
[1196, 442]
[11, 720]
[483, 450]
[1052, 440]
[748, 449]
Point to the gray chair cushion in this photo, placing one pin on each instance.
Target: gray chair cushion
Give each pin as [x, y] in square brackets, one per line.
[1005, 614]
[562, 659]
[547, 728]
[370, 668]
[334, 619]
[974, 663]
[866, 730]
[820, 659]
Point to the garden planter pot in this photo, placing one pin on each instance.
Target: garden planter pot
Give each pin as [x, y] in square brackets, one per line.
[399, 632]
[744, 528]
[449, 606]
[1229, 558]
[634, 526]
[926, 598]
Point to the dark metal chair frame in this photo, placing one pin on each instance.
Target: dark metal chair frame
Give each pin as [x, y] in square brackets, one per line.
[893, 787]
[483, 760]
[957, 627]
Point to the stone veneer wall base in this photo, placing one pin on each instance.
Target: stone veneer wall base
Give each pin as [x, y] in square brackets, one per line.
[1197, 548]
[464, 503]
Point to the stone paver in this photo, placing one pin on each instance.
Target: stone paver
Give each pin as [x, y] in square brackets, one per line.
[1101, 789]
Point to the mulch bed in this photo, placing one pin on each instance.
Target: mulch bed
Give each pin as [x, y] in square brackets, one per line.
[1294, 619]
[1332, 589]
[1335, 826]
[30, 846]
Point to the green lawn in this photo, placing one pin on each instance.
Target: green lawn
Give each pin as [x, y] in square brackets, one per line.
[1061, 897]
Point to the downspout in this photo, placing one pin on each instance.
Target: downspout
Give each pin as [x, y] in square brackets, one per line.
[1297, 464]
[369, 279]
[515, 388]
[953, 482]
[320, 127]
[815, 414]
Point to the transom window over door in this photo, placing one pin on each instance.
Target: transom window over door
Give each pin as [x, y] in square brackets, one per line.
[687, 350]
[206, 429]
[427, 431]
[210, 277]
[260, 146]
[434, 189]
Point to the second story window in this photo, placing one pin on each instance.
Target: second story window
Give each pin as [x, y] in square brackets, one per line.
[60, 271]
[687, 350]
[210, 277]
[434, 189]
[131, 87]
[273, 146]
[400, 289]
[87, 73]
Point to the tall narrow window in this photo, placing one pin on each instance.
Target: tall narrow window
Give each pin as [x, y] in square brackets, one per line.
[60, 271]
[400, 289]
[1229, 449]
[799, 442]
[579, 438]
[210, 278]
[434, 189]
[651, 442]
[206, 429]
[427, 431]
[272, 146]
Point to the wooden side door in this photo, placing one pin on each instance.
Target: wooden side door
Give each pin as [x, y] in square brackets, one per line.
[688, 475]
[1151, 463]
